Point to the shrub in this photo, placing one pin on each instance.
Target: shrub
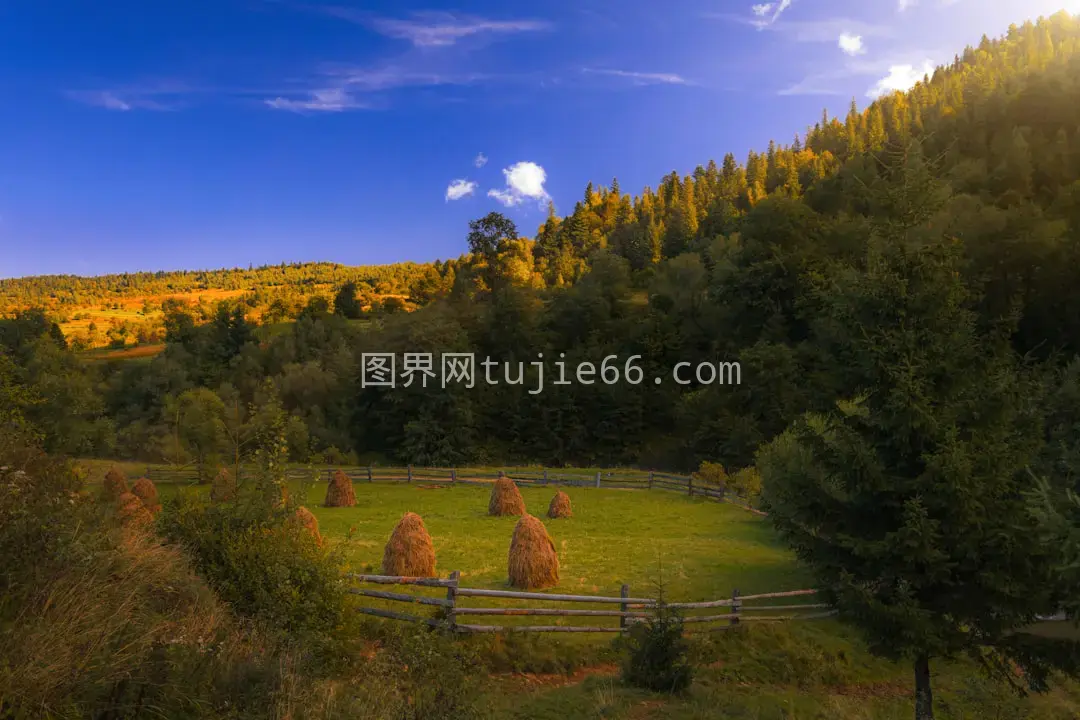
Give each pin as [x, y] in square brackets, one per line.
[746, 482]
[657, 658]
[439, 681]
[712, 473]
[103, 624]
[262, 563]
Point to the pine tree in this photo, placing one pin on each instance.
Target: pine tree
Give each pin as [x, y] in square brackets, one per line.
[906, 499]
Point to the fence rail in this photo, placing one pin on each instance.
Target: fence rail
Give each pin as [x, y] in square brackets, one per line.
[630, 608]
[615, 479]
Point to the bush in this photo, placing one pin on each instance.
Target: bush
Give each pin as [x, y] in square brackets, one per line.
[712, 473]
[436, 675]
[261, 563]
[107, 624]
[657, 658]
[746, 482]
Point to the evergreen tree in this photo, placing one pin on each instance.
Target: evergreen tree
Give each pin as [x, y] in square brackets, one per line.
[346, 303]
[906, 499]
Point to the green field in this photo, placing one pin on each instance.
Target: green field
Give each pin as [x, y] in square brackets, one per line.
[790, 670]
[703, 549]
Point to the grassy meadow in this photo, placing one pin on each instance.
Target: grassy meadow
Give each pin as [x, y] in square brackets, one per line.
[811, 670]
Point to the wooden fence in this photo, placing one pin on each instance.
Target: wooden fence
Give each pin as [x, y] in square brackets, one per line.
[630, 609]
[618, 479]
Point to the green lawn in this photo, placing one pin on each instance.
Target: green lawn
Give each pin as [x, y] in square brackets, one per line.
[702, 549]
[806, 670]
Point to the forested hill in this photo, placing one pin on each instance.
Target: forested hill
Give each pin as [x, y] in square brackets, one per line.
[73, 291]
[999, 124]
[955, 206]
[1000, 121]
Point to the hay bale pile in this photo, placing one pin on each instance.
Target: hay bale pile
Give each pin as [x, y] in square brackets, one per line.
[339, 492]
[131, 511]
[560, 506]
[506, 498]
[533, 563]
[223, 488]
[305, 519]
[409, 552]
[146, 491]
[115, 483]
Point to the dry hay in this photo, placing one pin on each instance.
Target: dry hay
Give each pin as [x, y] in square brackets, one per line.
[506, 498]
[409, 552]
[131, 511]
[223, 488]
[339, 491]
[305, 519]
[146, 491]
[115, 482]
[533, 563]
[560, 506]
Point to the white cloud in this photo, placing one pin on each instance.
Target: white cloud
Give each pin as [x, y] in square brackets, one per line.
[459, 189]
[480, 160]
[851, 44]
[341, 87]
[642, 78]
[120, 101]
[900, 77]
[326, 100]
[905, 4]
[524, 181]
[439, 29]
[768, 13]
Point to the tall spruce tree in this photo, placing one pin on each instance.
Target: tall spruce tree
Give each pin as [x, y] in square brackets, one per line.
[907, 499]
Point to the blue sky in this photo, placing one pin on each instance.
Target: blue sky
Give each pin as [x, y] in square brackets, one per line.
[176, 134]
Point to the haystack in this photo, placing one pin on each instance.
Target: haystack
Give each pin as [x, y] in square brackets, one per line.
[131, 511]
[307, 520]
[223, 488]
[560, 506]
[115, 483]
[506, 498]
[409, 552]
[339, 492]
[145, 490]
[533, 563]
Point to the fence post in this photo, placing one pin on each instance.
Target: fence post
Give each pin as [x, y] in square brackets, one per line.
[453, 478]
[690, 485]
[625, 593]
[597, 478]
[650, 479]
[369, 473]
[736, 606]
[410, 473]
[545, 476]
[451, 596]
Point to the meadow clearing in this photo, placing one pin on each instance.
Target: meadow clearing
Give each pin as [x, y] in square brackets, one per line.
[806, 670]
[700, 548]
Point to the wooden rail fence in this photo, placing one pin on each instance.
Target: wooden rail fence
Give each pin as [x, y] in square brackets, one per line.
[630, 609]
[618, 479]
